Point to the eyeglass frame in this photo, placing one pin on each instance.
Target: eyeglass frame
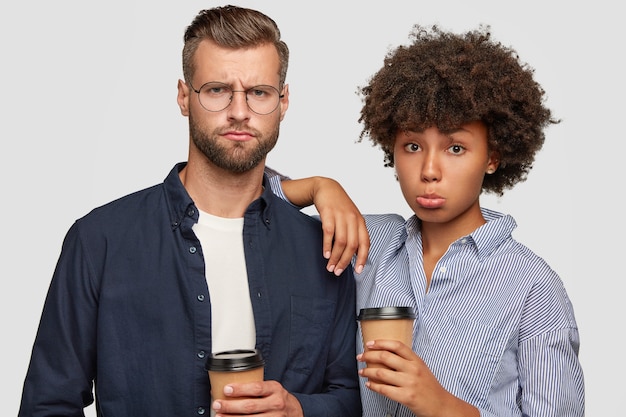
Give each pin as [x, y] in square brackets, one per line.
[230, 101]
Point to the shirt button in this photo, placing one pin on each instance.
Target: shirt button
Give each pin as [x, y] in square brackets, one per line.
[191, 212]
[192, 249]
[201, 354]
[388, 415]
[464, 240]
[201, 297]
[443, 269]
[201, 410]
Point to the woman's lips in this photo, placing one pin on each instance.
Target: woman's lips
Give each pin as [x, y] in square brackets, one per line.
[430, 201]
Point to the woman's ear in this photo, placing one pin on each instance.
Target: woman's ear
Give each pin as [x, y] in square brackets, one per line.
[493, 163]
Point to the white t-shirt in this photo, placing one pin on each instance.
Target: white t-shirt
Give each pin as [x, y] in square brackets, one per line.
[232, 320]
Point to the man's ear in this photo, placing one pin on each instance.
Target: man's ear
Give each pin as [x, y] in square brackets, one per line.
[284, 102]
[183, 97]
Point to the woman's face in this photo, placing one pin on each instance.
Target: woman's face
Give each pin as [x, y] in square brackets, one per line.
[441, 173]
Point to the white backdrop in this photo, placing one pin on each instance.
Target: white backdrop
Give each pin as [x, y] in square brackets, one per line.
[89, 114]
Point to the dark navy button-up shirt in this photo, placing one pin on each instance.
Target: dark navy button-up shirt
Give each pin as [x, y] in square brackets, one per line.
[128, 310]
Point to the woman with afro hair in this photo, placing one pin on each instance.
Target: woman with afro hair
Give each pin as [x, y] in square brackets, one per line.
[495, 334]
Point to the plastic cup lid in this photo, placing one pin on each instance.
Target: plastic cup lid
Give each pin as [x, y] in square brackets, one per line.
[386, 313]
[234, 360]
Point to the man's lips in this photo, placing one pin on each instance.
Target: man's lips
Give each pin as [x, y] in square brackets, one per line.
[238, 135]
[430, 201]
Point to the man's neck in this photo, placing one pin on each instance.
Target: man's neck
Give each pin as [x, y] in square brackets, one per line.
[219, 192]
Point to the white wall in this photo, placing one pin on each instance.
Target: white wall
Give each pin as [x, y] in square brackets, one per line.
[89, 114]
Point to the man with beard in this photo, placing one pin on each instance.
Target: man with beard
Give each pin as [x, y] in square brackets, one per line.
[149, 285]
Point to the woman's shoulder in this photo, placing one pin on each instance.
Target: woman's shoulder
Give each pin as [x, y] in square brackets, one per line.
[387, 230]
[388, 220]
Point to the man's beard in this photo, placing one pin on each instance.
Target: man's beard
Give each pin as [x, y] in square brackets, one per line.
[237, 158]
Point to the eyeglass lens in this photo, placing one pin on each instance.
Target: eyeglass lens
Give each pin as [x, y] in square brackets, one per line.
[261, 99]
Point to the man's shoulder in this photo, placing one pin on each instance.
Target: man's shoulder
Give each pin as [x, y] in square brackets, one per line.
[287, 211]
[143, 201]
[131, 207]
[132, 201]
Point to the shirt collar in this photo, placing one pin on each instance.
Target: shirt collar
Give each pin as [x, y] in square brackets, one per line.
[486, 238]
[494, 233]
[181, 206]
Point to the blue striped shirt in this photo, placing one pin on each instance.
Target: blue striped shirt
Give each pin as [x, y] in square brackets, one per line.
[496, 326]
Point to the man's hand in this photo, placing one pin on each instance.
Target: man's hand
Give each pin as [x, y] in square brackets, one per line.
[268, 398]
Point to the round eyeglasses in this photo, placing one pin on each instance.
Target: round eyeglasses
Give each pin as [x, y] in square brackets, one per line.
[261, 99]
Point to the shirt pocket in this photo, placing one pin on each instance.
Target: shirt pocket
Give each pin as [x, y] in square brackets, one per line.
[311, 323]
[466, 356]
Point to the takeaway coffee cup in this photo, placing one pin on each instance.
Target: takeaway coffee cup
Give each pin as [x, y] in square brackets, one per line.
[233, 366]
[395, 323]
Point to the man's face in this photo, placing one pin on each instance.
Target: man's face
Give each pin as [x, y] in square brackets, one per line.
[236, 138]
